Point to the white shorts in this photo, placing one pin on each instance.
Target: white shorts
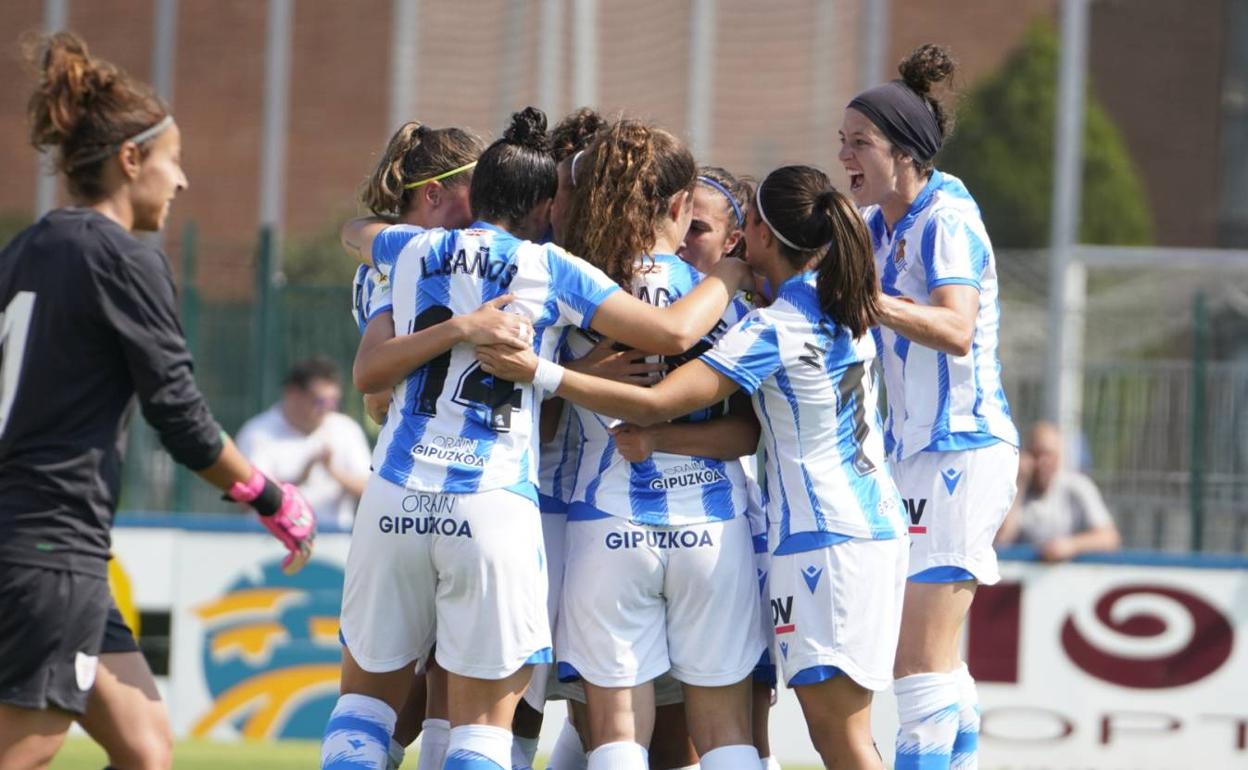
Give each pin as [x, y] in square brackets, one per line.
[765, 671]
[956, 502]
[639, 600]
[554, 526]
[465, 571]
[837, 610]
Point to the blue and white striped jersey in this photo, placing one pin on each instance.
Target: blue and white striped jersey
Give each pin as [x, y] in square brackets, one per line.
[666, 489]
[370, 295]
[816, 398]
[557, 466]
[937, 401]
[452, 428]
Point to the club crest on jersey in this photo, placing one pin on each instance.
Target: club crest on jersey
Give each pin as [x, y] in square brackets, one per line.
[693, 474]
[659, 538]
[899, 255]
[479, 264]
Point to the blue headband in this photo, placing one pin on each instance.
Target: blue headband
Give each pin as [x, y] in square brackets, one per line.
[736, 210]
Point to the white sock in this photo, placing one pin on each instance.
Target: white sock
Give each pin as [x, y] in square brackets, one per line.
[740, 757]
[523, 750]
[966, 744]
[621, 755]
[478, 747]
[434, 735]
[927, 705]
[770, 763]
[395, 755]
[357, 733]
[569, 754]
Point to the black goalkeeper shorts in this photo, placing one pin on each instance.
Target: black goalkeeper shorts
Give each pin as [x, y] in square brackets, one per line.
[52, 623]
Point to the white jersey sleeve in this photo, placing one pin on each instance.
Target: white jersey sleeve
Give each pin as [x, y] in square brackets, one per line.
[389, 243]
[748, 354]
[370, 295]
[952, 252]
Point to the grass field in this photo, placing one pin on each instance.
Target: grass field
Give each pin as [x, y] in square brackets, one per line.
[82, 754]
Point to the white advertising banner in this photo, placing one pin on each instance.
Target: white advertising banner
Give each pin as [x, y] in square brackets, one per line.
[1080, 666]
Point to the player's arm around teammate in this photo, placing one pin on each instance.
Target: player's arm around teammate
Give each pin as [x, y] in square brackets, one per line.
[952, 442]
[91, 324]
[838, 576]
[421, 180]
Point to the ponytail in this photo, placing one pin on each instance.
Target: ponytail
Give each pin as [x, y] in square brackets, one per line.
[417, 152]
[846, 281]
[85, 109]
[813, 220]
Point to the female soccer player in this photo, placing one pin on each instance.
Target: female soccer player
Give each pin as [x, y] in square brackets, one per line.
[560, 447]
[447, 543]
[661, 606]
[88, 321]
[717, 230]
[839, 555]
[951, 440]
[421, 180]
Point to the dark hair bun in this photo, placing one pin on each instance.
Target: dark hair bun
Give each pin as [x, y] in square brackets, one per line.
[69, 81]
[925, 66]
[826, 199]
[528, 129]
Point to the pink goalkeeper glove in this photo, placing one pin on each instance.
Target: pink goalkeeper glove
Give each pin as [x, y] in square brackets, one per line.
[283, 512]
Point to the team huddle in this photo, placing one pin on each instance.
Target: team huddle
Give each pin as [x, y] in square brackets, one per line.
[593, 335]
[633, 455]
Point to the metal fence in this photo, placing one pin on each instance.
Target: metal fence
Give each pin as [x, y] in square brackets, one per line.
[1166, 439]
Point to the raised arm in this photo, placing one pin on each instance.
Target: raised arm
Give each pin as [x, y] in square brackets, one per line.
[357, 237]
[676, 328]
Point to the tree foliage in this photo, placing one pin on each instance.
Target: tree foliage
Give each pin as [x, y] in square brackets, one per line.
[1002, 148]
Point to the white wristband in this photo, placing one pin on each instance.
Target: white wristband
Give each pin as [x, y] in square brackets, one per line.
[548, 375]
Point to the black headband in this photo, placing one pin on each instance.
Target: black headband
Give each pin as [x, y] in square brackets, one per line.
[904, 116]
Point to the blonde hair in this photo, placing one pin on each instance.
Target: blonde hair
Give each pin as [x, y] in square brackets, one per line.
[417, 152]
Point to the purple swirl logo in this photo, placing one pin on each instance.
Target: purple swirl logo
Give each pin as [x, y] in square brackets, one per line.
[1148, 637]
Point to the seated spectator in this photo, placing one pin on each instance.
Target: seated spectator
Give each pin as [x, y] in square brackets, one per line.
[304, 440]
[1058, 511]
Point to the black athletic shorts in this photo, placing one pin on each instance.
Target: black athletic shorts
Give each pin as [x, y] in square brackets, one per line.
[117, 634]
[52, 622]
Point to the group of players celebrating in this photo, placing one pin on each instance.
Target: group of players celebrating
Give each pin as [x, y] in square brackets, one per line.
[632, 453]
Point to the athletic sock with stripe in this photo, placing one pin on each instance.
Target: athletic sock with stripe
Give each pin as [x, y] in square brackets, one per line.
[357, 734]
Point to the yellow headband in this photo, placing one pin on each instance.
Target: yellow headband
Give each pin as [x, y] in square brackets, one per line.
[441, 176]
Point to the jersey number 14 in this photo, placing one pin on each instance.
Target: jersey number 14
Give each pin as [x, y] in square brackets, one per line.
[476, 388]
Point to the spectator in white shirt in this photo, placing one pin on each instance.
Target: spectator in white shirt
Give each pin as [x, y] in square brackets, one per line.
[303, 439]
[1058, 511]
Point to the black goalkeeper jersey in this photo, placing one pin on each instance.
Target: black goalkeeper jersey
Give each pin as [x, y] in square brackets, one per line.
[88, 322]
